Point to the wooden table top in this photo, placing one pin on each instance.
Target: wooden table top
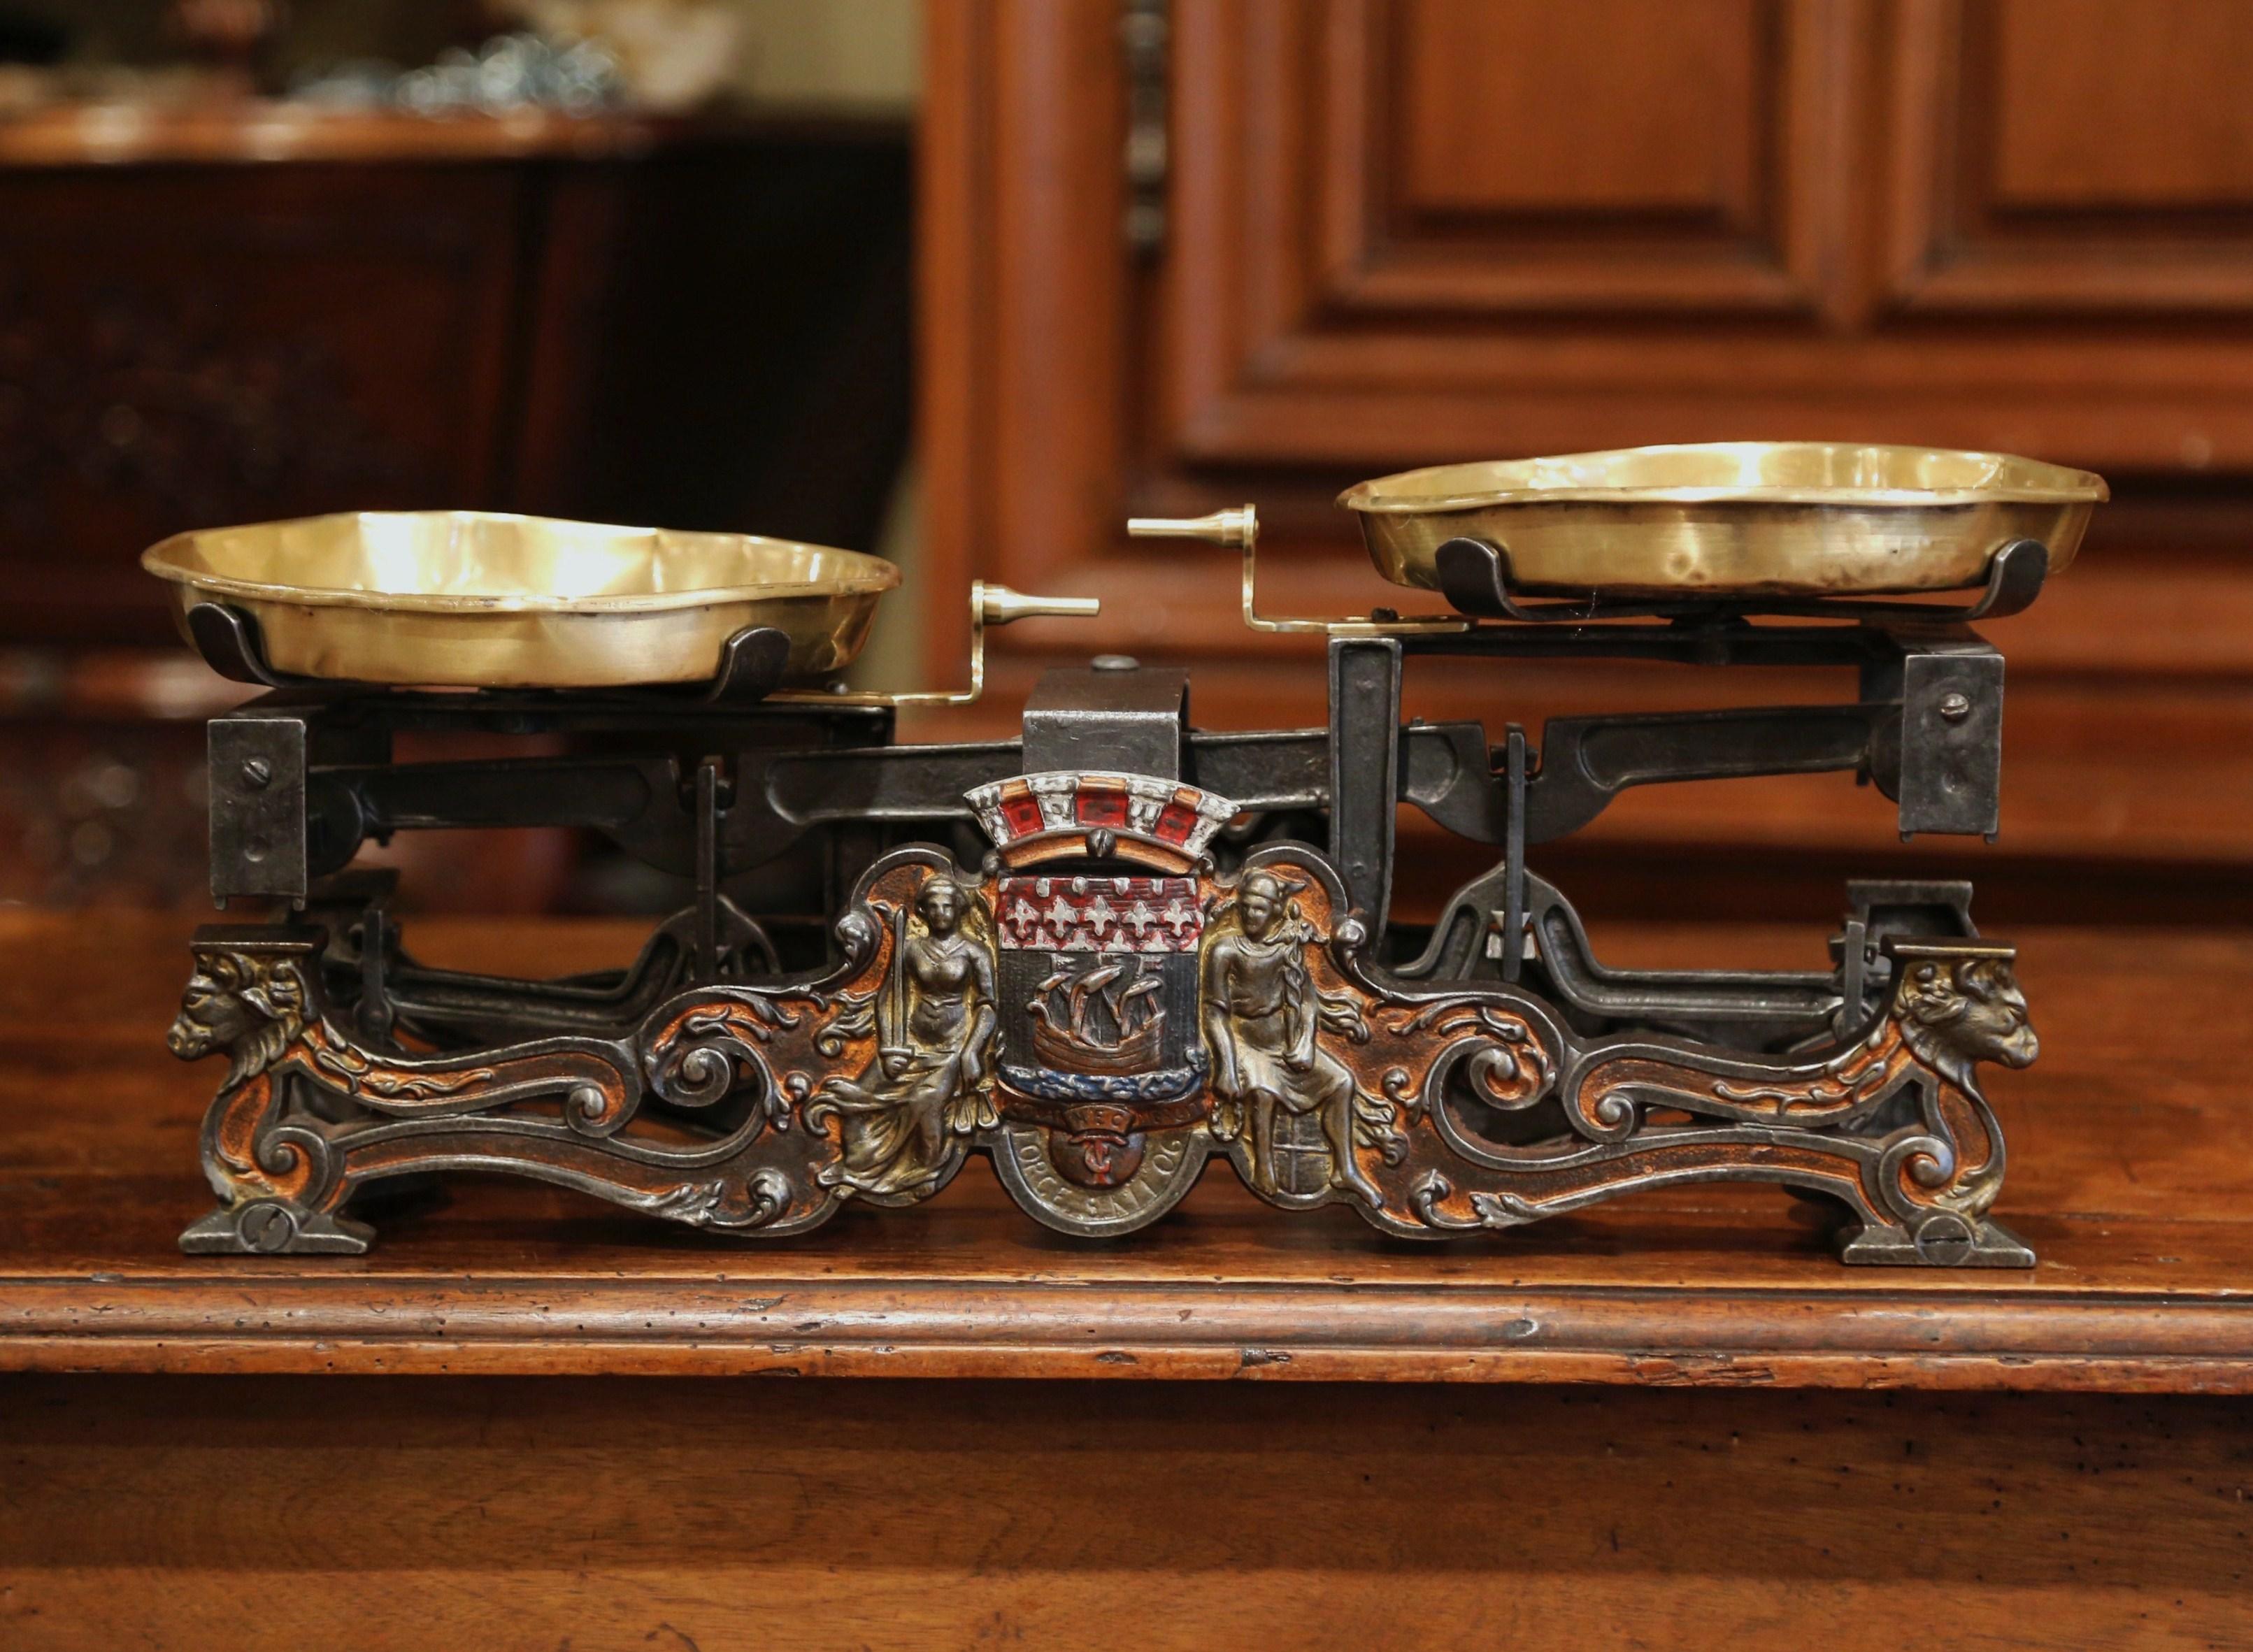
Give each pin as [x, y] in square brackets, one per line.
[257, 131]
[2131, 1142]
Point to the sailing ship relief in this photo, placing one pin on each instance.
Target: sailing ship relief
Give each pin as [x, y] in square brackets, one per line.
[1099, 987]
[1106, 1019]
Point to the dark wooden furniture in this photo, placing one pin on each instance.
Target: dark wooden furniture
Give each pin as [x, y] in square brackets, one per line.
[257, 311]
[1400, 232]
[1670, 1421]
[241, 316]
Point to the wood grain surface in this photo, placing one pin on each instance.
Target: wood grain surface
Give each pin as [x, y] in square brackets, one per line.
[288, 1513]
[2129, 1144]
[1721, 1496]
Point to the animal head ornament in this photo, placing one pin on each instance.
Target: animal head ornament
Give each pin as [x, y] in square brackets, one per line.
[252, 1005]
[1958, 1012]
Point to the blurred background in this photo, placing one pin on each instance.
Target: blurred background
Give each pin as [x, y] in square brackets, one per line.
[968, 283]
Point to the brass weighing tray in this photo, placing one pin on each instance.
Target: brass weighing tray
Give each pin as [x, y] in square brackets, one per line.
[477, 599]
[1731, 518]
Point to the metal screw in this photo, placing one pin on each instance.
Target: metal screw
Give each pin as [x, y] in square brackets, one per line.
[1945, 1239]
[257, 772]
[1955, 707]
[267, 1227]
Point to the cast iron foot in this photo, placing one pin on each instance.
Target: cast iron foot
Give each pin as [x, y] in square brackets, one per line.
[269, 1227]
[1945, 1240]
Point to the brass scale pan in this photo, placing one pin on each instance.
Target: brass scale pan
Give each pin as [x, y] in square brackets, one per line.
[1731, 519]
[469, 599]
[473, 599]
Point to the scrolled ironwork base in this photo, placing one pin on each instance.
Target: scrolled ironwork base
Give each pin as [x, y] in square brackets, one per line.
[996, 1012]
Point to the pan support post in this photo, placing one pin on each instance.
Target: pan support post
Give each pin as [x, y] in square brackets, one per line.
[1364, 777]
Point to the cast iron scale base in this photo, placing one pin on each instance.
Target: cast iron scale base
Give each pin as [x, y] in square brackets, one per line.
[1109, 950]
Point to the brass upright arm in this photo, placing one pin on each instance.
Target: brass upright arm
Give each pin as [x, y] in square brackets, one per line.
[1237, 528]
[989, 605]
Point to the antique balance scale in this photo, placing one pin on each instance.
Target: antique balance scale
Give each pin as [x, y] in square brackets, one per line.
[1111, 949]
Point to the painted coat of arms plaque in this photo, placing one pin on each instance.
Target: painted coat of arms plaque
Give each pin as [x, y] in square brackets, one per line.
[1099, 1037]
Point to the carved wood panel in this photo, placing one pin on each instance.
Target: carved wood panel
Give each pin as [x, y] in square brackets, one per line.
[1401, 231]
[1512, 157]
[1429, 227]
[2048, 157]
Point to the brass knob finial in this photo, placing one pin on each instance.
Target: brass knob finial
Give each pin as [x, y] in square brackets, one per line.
[1236, 527]
[999, 605]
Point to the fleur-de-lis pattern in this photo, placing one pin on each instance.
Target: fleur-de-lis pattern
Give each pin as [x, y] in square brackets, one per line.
[1098, 914]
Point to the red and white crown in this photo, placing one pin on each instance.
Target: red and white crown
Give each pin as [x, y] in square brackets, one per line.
[1157, 822]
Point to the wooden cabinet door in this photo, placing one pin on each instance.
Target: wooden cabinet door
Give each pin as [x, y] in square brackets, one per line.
[187, 345]
[1392, 232]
